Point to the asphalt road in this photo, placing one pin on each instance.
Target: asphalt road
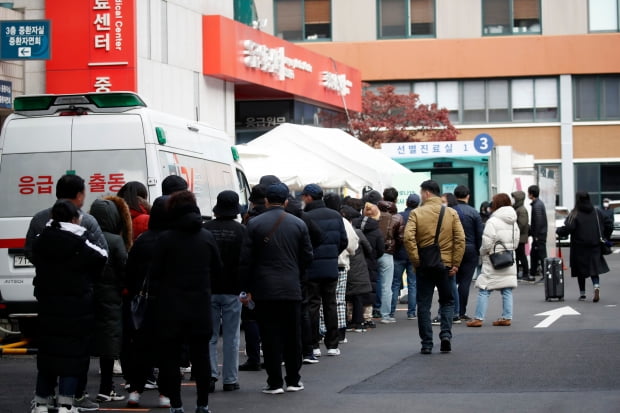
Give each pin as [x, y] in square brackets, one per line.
[570, 365]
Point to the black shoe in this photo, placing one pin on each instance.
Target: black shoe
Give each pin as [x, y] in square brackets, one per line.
[370, 324]
[426, 350]
[446, 346]
[529, 278]
[212, 385]
[231, 386]
[247, 366]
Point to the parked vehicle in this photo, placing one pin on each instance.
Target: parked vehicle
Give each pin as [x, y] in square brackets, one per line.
[108, 139]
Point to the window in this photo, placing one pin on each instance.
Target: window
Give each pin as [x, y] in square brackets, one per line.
[507, 17]
[597, 97]
[473, 101]
[499, 100]
[406, 18]
[299, 20]
[603, 15]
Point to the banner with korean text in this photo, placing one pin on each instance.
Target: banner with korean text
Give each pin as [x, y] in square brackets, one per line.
[93, 46]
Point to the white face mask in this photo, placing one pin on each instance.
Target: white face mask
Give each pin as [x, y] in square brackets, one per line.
[605, 204]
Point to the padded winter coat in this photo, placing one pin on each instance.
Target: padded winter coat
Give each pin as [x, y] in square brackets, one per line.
[501, 226]
[66, 267]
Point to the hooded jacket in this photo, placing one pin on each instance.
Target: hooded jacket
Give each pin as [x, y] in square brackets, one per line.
[501, 226]
[391, 225]
[184, 260]
[114, 218]
[325, 262]
[66, 266]
[523, 218]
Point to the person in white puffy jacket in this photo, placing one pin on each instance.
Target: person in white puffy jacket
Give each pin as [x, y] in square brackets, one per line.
[501, 226]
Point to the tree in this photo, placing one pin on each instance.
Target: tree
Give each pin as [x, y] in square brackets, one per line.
[390, 117]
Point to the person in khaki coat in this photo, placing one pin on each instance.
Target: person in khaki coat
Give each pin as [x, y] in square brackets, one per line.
[420, 232]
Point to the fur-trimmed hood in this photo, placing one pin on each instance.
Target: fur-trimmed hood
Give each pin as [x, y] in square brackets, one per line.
[112, 214]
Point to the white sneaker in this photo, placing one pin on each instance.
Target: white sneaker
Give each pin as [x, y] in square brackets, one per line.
[163, 401]
[134, 399]
[112, 397]
[316, 352]
[73, 409]
[41, 408]
[333, 352]
[273, 390]
[298, 387]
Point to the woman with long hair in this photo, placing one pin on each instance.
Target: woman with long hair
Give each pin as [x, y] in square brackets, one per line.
[585, 225]
[500, 228]
[136, 195]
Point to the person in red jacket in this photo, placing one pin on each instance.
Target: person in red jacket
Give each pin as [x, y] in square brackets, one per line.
[136, 196]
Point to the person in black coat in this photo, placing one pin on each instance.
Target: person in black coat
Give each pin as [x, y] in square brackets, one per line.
[317, 236]
[225, 289]
[140, 354]
[323, 273]
[358, 277]
[66, 266]
[370, 228]
[249, 324]
[538, 232]
[274, 255]
[585, 225]
[112, 214]
[184, 260]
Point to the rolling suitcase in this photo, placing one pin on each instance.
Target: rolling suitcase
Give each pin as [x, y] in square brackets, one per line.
[554, 279]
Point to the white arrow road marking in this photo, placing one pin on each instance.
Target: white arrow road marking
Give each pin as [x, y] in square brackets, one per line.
[554, 315]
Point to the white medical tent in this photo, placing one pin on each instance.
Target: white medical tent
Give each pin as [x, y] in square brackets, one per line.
[300, 155]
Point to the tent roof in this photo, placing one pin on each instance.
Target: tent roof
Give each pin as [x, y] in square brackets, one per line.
[300, 155]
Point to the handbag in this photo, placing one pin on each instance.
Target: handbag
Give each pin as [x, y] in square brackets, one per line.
[505, 258]
[139, 304]
[605, 245]
[501, 259]
[430, 256]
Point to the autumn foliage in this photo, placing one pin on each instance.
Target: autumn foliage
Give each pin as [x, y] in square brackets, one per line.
[390, 117]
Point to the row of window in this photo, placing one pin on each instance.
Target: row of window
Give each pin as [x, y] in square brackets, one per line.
[517, 100]
[306, 20]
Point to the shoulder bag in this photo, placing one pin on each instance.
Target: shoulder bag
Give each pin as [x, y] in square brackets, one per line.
[505, 258]
[430, 256]
[605, 245]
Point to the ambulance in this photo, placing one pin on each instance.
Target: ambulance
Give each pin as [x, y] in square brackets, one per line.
[108, 139]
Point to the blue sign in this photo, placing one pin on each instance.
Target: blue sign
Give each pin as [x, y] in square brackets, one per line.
[483, 143]
[25, 40]
[6, 94]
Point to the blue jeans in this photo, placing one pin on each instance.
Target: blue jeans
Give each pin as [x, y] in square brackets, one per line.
[401, 266]
[384, 283]
[483, 303]
[426, 283]
[46, 388]
[225, 311]
[464, 277]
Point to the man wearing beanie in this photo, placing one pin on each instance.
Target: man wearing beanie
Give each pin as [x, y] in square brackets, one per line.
[225, 288]
[323, 273]
[274, 254]
[172, 184]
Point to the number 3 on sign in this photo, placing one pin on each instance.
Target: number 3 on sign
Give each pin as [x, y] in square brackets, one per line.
[483, 143]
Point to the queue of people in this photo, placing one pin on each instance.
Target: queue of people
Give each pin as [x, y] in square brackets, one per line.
[290, 273]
